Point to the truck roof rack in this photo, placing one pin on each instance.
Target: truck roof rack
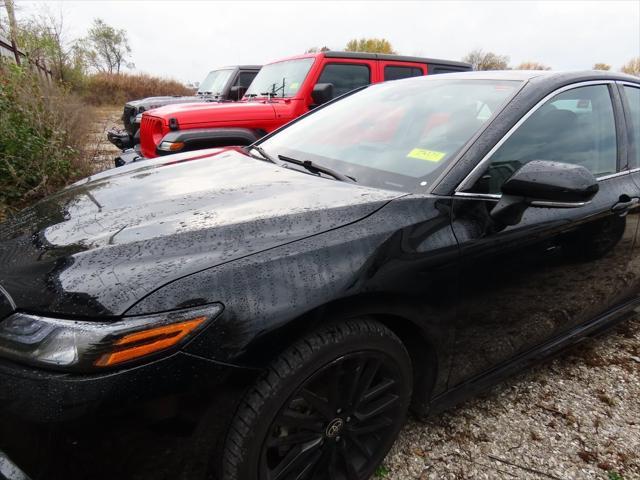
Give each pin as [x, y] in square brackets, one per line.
[400, 58]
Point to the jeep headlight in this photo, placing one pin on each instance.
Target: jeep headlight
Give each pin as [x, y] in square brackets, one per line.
[81, 345]
[171, 146]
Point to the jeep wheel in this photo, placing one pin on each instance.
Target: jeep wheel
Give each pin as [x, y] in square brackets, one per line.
[329, 407]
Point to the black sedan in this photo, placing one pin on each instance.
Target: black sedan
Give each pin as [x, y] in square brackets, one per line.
[288, 303]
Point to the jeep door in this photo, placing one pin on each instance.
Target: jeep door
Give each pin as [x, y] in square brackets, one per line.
[346, 74]
[558, 268]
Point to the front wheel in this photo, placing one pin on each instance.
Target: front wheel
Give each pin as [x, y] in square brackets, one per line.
[329, 407]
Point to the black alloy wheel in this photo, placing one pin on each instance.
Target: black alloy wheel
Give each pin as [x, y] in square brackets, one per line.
[336, 422]
[330, 407]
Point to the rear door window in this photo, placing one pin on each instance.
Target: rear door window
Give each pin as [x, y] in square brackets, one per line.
[435, 69]
[345, 77]
[398, 72]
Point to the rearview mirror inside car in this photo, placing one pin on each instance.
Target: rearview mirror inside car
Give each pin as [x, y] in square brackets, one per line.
[542, 183]
[322, 93]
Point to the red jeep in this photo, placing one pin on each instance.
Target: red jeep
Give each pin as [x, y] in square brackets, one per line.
[281, 92]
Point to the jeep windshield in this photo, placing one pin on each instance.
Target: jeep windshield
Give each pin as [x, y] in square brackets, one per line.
[398, 135]
[281, 79]
[215, 82]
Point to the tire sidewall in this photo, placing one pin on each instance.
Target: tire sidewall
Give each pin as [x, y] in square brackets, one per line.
[305, 369]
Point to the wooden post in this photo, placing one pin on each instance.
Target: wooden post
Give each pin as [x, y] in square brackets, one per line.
[13, 28]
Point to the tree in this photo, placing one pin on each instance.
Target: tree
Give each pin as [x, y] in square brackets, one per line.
[371, 45]
[105, 48]
[43, 38]
[481, 60]
[13, 27]
[632, 67]
[317, 50]
[532, 66]
[602, 66]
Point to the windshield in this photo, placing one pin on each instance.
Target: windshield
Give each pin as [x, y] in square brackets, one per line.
[282, 79]
[215, 82]
[397, 135]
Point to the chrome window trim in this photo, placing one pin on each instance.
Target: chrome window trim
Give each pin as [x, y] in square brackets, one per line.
[613, 175]
[626, 82]
[498, 196]
[544, 203]
[474, 172]
[490, 196]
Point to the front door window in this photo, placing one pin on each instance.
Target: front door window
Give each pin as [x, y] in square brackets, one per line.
[576, 126]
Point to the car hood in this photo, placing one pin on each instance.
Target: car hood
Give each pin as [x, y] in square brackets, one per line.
[150, 103]
[99, 246]
[208, 112]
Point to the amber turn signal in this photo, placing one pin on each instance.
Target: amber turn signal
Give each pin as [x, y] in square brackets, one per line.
[145, 342]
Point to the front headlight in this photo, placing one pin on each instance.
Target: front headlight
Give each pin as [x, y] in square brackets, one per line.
[83, 345]
[138, 118]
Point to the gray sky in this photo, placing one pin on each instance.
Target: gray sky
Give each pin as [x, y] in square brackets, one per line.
[185, 39]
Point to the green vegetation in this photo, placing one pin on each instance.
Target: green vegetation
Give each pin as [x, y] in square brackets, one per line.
[42, 134]
[381, 472]
[91, 66]
[44, 123]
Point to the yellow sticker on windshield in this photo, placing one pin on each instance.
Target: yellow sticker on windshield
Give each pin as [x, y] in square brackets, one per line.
[294, 86]
[428, 155]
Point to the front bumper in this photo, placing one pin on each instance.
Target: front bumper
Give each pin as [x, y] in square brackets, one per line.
[120, 138]
[52, 421]
[63, 397]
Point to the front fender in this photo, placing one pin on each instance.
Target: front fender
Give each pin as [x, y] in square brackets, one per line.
[200, 138]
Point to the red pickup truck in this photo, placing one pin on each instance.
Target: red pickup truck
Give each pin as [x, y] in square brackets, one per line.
[281, 92]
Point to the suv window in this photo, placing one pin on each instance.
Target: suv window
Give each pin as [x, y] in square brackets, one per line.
[434, 70]
[576, 126]
[345, 77]
[633, 97]
[395, 72]
[245, 79]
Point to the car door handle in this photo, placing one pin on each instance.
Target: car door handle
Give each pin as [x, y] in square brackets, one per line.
[625, 203]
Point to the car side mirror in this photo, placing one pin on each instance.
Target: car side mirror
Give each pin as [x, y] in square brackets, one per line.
[546, 184]
[322, 93]
[237, 92]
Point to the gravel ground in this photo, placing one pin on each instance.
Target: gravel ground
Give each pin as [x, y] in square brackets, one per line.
[100, 149]
[575, 417]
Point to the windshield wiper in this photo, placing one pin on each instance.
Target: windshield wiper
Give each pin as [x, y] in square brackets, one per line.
[262, 153]
[315, 168]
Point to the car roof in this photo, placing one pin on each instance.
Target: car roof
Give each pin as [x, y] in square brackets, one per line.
[234, 67]
[397, 58]
[524, 75]
[377, 56]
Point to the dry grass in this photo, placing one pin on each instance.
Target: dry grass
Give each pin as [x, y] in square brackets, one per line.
[106, 89]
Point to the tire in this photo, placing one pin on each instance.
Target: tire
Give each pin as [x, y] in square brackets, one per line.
[329, 407]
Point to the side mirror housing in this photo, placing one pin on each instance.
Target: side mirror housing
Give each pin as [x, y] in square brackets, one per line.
[237, 92]
[542, 183]
[322, 93]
